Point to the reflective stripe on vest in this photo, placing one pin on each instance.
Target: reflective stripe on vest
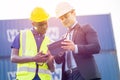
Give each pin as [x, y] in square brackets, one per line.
[33, 70]
[23, 42]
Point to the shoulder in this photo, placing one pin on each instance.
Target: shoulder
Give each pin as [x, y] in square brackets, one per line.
[26, 30]
[88, 28]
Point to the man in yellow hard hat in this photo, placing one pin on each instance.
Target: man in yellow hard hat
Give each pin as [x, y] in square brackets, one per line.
[81, 43]
[30, 52]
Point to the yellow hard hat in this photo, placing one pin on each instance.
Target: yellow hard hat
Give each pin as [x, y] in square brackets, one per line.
[63, 8]
[39, 14]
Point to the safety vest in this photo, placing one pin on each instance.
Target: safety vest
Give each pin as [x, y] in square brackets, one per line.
[28, 47]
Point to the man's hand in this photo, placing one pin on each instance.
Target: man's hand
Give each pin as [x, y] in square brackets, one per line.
[68, 45]
[50, 62]
[40, 57]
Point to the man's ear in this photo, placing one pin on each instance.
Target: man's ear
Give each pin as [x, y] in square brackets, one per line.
[74, 13]
[33, 23]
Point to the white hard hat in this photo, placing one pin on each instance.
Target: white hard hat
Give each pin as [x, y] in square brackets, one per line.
[63, 8]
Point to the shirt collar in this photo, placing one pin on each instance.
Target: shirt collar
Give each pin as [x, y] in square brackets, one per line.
[35, 32]
[74, 24]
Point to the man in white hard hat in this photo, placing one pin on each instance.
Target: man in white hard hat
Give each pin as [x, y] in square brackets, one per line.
[80, 44]
[29, 49]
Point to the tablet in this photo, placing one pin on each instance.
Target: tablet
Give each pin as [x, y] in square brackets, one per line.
[55, 47]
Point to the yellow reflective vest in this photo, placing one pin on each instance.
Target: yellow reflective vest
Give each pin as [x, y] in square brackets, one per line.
[28, 47]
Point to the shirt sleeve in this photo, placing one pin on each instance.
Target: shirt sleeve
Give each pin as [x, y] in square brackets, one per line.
[16, 42]
[76, 49]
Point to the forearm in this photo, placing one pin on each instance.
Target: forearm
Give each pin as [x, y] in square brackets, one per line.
[51, 64]
[59, 59]
[89, 49]
[21, 59]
